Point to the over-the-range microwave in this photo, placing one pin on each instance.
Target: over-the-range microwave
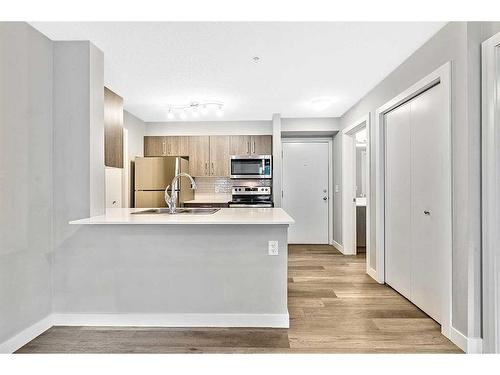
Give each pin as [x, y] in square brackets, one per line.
[251, 166]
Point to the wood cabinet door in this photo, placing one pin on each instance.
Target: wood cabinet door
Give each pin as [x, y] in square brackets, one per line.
[219, 155]
[155, 146]
[239, 145]
[177, 146]
[113, 129]
[199, 155]
[262, 144]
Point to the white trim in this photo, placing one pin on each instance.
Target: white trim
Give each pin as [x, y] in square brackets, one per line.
[441, 76]
[371, 272]
[490, 161]
[467, 344]
[174, 320]
[338, 246]
[330, 175]
[26, 335]
[348, 207]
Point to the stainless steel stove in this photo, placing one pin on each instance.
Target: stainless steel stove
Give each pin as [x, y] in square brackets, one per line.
[251, 196]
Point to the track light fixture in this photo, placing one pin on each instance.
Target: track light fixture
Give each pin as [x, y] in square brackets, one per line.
[195, 109]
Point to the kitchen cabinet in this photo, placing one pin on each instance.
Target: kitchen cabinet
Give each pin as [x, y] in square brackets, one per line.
[261, 144]
[240, 144]
[155, 146]
[209, 155]
[177, 146]
[113, 129]
[219, 156]
[251, 145]
[199, 155]
[166, 146]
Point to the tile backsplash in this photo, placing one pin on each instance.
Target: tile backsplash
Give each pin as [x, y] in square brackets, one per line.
[220, 187]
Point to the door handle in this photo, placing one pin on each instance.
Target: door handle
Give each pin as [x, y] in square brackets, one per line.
[325, 198]
[428, 213]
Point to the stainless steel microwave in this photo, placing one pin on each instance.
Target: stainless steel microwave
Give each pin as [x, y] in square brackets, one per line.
[251, 166]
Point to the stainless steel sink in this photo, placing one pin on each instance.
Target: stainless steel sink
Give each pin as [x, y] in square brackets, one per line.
[179, 211]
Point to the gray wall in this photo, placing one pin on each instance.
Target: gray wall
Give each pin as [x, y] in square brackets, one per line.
[79, 189]
[136, 131]
[458, 42]
[25, 177]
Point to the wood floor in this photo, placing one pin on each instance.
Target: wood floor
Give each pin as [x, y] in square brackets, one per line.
[334, 308]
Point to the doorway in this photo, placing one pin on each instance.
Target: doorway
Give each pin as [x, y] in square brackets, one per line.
[356, 190]
[306, 189]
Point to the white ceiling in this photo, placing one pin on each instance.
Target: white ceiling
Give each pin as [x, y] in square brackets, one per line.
[155, 64]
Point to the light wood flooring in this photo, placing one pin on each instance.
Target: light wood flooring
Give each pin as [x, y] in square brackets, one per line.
[334, 308]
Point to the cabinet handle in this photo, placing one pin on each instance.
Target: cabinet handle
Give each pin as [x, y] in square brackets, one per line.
[248, 147]
[206, 168]
[213, 169]
[164, 148]
[253, 147]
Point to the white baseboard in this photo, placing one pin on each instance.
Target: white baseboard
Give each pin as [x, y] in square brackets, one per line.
[174, 320]
[26, 335]
[372, 273]
[470, 345]
[338, 246]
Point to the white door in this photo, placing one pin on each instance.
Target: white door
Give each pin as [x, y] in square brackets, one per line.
[398, 193]
[431, 202]
[306, 190]
[418, 201]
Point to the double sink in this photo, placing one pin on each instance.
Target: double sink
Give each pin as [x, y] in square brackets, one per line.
[179, 211]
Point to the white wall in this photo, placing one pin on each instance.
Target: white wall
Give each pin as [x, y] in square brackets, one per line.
[79, 186]
[25, 177]
[319, 126]
[337, 188]
[209, 128]
[458, 42]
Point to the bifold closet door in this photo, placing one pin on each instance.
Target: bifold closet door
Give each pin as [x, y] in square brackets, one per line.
[397, 201]
[431, 202]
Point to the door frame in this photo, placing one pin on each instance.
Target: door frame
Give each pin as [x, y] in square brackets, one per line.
[330, 175]
[490, 160]
[442, 76]
[348, 184]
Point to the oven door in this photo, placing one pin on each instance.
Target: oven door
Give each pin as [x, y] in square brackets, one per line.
[255, 166]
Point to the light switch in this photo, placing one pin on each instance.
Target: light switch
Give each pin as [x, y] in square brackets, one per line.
[272, 248]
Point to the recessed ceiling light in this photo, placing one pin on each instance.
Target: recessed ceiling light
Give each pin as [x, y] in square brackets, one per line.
[256, 59]
[320, 104]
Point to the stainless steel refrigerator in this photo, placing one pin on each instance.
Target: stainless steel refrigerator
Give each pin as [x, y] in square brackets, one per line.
[153, 174]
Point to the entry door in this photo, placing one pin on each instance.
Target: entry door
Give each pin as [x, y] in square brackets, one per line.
[305, 191]
[418, 201]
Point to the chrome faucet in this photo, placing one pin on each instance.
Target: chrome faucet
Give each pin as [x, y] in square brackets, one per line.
[171, 200]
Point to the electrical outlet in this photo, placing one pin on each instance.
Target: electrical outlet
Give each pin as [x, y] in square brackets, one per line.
[272, 248]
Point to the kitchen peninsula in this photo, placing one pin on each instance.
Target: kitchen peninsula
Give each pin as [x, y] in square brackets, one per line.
[208, 270]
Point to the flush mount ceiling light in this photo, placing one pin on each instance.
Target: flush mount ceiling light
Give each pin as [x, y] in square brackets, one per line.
[320, 104]
[256, 59]
[194, 109]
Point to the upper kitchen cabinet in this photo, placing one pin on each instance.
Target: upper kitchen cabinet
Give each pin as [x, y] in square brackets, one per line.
[199, 156]
[251, 145]
[113, 129]
[166, 146]
[219, 155]
[240, 144]
[177, 146]
[155, 146]
[262, 144]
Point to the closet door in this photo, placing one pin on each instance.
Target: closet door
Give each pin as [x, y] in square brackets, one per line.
[431, 202]
[398, 200]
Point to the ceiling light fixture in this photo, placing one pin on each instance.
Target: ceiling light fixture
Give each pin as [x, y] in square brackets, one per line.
[320, 104]
[195, 109]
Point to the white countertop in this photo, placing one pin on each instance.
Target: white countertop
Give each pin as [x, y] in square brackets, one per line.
[209, 200]
[225, 216]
